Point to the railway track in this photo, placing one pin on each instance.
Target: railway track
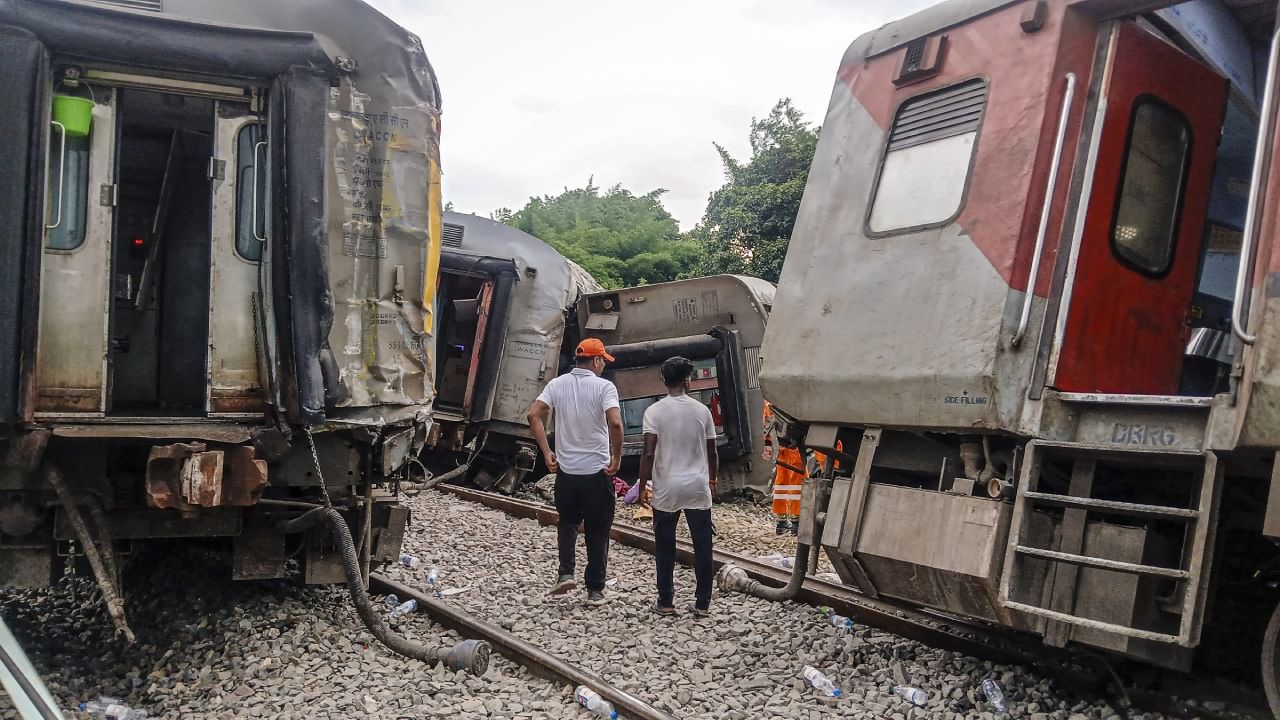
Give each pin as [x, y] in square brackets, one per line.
[1083, 672]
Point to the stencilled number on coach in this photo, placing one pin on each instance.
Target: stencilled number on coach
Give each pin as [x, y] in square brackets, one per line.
[1145, 435]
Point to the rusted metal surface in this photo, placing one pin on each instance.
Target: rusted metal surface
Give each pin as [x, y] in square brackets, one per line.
[189, 476]
[209, 432]
[530, 656]
[26, 450]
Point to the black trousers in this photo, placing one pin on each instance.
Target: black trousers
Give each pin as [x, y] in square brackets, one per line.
[664, 531]
[586, 499]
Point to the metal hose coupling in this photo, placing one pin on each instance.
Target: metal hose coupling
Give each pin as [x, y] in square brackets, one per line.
[735, 578]
[469, 655]
[732, 578]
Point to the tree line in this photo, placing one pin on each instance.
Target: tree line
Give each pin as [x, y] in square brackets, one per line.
[626, 239]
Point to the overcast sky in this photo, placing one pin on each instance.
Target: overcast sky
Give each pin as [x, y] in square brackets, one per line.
[539, 95]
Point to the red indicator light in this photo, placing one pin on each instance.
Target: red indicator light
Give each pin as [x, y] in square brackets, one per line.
[137, 242]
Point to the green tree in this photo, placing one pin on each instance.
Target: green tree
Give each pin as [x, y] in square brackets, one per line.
[620, 238]
[748, 221]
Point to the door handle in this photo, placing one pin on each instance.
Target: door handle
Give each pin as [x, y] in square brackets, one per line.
[62, 172]
[253, 218]
[1050, 185]
[1239, 321]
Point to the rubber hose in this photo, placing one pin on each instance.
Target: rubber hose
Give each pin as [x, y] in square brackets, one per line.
[471, 655]
[456, 472]
[766, 592]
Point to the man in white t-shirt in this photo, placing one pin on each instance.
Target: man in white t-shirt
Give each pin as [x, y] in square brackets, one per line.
[588, 422]
[680, 459]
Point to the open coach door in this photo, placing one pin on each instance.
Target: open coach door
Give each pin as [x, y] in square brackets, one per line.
[1135, 273]
[73, 353]
[241, 221]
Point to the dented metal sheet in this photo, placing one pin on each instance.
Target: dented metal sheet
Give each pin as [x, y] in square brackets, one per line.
[548, 286]
[382, 166]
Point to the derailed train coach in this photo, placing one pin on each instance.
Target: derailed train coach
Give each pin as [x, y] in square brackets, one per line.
[1033, 276]
[219, 229]
[718, 322]
[507, 326]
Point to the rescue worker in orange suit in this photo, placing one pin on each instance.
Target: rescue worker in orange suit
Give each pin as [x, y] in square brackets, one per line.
[788, 477]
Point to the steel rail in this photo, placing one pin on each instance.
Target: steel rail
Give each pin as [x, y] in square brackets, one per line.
[935, 629]
[519, 651]
[1082, 672]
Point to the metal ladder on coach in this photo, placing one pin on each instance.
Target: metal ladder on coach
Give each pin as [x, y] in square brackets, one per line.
[1190, 576]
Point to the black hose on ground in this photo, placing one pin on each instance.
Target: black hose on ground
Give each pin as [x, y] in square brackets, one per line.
[445, 477]
[732, 577]
[469, 655]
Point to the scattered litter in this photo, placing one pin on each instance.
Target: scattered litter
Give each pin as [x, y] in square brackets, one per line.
[112, 709]
[452, 591]
[915, 696]
[782, 561]
[995, 696]
[433, 576]
[591, 700]
[819, 682]
[404, 608]
[410, 561]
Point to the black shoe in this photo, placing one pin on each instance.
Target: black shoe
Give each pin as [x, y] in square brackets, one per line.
[564, 584]
[700, 612]
[596, 597]
[781, 529]
[664, 610]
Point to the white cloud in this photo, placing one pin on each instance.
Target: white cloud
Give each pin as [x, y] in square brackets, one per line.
[539, 96]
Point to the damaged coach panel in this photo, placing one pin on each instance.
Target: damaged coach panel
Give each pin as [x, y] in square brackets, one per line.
[218, 262]
[719, 323]
[503, 301]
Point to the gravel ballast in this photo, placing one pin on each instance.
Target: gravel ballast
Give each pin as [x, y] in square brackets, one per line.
[209, 648]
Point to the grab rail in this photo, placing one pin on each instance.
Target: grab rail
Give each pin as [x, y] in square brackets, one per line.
[1043, 232]
[62, 172]
[1239, 323]
[253, 218]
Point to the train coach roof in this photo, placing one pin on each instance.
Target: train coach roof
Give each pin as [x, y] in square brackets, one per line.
[482, 236]
[1257, 16]
[239, 38]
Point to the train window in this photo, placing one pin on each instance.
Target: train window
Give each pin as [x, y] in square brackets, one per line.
[927, 158]
[68, 214]
[1151, 187]
[248, 224]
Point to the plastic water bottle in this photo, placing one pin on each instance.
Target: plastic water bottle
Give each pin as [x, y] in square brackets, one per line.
[392, 601]
[840, 621]
[915, 696]
[112, 709]
[433, 575]
[820, 682]
[836, 619]
[410, 561]
[404, 608]
[995, 696]
[591, 700]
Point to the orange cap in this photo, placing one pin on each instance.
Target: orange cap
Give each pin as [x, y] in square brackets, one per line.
[592, 347]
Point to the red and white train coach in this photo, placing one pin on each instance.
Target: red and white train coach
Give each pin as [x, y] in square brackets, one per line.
[1036, 282]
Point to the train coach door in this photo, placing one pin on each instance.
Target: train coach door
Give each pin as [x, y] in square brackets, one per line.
[1135, 272]
[72, 355]
[240, 217]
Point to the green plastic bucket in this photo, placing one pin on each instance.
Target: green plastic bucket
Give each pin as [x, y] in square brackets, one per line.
[75, 114]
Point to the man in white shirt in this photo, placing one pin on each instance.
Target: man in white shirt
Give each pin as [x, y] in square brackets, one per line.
[680, 459]
[588, 422]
